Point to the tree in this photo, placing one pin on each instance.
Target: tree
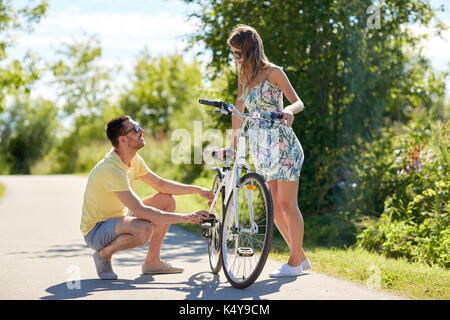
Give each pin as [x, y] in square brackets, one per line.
[27, 133]
[160, 87]
[84, 91]
[16, 74]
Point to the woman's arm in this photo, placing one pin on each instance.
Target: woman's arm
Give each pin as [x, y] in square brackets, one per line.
[235, 122]
[280, 79]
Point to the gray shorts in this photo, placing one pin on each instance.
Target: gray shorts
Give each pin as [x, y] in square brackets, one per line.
[102, 234]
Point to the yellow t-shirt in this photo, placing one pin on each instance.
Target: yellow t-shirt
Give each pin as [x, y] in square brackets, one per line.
[108, 176]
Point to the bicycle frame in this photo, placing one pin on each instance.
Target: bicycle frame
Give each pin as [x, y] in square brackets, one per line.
[232, 181]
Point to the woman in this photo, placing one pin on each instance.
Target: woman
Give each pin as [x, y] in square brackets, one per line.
[275, 149]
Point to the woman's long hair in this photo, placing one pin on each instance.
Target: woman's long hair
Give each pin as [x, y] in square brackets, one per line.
[247, 39]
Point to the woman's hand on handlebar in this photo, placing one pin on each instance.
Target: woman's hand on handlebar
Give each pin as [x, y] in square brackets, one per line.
[288, 117]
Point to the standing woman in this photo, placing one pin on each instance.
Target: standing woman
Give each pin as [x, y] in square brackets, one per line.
[279, 155]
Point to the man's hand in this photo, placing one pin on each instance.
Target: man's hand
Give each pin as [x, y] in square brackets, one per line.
[205, 193]
[197, 216]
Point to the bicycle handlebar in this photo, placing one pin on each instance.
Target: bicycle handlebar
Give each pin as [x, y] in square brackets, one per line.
[277, 115]
[217, 104]
[226, 107]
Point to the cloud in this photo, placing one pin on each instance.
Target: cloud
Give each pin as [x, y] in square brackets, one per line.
[131, 31]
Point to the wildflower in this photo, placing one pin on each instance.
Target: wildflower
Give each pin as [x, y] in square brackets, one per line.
[341, 184]
[440, 168]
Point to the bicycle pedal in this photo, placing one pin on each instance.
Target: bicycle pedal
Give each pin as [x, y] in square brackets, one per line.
[205, 234]
[245, 252]
[209, 222]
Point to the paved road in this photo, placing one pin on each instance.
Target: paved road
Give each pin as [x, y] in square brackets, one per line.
[42, 251]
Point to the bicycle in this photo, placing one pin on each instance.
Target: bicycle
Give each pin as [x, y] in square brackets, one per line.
[240, 227]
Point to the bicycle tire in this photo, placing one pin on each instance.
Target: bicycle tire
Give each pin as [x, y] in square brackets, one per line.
[246, 250]
[214, 245]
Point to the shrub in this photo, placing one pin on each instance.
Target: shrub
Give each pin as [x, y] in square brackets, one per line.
[414, 189]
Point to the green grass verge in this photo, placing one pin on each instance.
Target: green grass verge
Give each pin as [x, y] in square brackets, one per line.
[397, 276]
[2, 190]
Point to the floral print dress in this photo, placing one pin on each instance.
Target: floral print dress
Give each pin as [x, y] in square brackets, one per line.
[275, 149]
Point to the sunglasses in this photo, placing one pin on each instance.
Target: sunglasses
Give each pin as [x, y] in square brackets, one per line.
[237, 54]
[136, 128]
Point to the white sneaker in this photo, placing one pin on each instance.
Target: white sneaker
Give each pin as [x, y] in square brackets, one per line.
[287, 271]
[306, 264]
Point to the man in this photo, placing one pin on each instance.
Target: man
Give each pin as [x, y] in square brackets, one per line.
[114, 218]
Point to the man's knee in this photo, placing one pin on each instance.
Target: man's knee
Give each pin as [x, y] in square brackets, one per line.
[162, 201]
[171, 203]
[168, 201]
[144, 231]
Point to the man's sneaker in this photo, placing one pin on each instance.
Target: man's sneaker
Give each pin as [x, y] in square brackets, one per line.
[306, 264]
[287, 271]
[161, 268]
[104, 268]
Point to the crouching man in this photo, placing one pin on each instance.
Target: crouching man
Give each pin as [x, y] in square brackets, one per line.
[114, 218]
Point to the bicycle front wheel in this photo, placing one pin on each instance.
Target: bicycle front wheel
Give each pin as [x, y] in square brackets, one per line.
[246, 241]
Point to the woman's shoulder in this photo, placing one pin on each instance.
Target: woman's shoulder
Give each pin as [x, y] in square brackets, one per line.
[274, 73]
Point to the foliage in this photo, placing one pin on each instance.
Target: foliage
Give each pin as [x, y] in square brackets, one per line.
[27, 133]
[83, 88]
[402, 178]
[161, 87]
[330, 229]
[17, 74]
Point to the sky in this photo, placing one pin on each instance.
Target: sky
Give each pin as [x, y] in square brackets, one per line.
[126, 27]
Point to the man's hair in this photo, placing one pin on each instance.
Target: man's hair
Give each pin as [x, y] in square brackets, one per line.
[114, 129]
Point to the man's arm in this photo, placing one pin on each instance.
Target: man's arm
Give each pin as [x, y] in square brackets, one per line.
[172, 187]
[141, 211]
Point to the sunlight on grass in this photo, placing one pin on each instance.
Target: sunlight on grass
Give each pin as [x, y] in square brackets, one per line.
[397, 276]
[2, 190]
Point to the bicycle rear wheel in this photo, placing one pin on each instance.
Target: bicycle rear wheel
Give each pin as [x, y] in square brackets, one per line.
[215, 261]
[246, 244]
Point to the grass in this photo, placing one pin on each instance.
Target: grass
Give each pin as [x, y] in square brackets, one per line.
[397, 276]
[2, 190]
